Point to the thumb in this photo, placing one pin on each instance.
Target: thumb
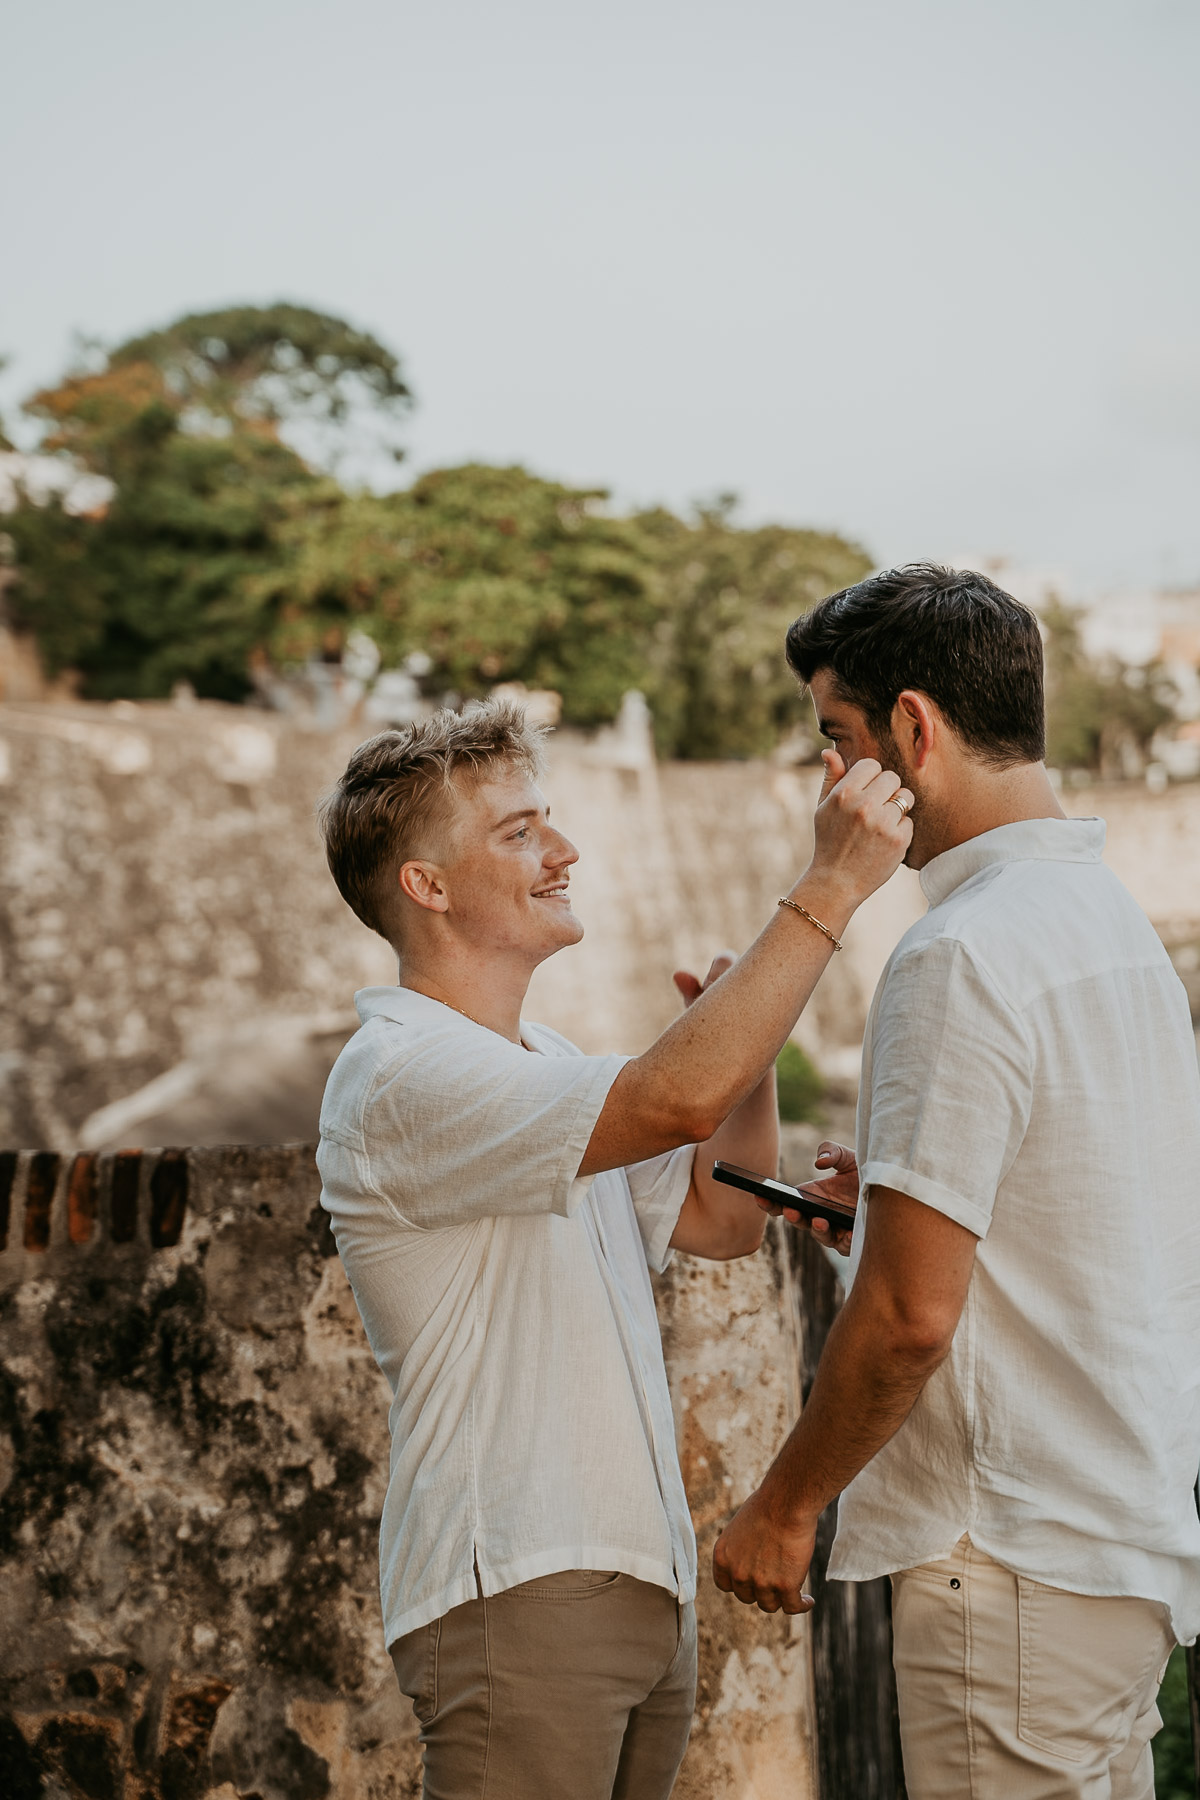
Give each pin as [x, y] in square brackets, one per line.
[835, 768]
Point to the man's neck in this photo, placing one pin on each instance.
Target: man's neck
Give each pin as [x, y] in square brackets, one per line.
[982, 802]
[488, 993]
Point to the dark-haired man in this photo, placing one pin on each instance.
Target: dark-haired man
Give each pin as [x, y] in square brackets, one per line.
[498, 1199]
[1010, 1397]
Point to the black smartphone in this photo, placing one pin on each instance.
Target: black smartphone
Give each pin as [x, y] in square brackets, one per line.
[781, 1193]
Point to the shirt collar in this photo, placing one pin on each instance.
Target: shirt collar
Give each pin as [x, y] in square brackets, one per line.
[405, 1006]
[1028, 840]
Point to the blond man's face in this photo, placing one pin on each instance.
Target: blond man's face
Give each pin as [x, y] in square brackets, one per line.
[507, 869]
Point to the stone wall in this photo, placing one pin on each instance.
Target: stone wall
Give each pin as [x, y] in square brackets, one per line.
[178, 967]
[193, 1448]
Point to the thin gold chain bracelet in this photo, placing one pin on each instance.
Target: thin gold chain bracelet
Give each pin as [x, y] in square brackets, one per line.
[805, 914]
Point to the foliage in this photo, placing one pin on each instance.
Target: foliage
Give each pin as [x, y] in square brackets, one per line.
[158, 584]
[173, 577]
[222, 546]
[313, 379]
[729, 597]
[799, 1087]
[1094, 707]
[500, 575]
[1174, 1760]
[495, 574]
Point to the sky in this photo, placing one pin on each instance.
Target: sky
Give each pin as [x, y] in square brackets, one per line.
[924, 272]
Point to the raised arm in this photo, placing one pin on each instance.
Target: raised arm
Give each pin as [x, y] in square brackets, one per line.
[706, 1063]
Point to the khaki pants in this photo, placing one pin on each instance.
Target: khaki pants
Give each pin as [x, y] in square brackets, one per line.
[1010, 1690]
[577, 1686]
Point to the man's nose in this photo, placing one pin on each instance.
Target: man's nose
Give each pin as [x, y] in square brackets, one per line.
[561, 853]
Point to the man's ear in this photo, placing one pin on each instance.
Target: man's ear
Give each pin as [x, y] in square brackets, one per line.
[421, 882]
[916, 724]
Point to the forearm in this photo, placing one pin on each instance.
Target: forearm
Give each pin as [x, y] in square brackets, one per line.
[719, 1221]
[749, 1136]
[713, 1058]
[868, 1381]
[709, 1061]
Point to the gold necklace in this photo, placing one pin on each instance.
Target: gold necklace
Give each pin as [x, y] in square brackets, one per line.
[500, 1034]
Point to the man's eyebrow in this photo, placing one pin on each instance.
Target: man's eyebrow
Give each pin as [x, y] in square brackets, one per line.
[530, 812]
[826, 727]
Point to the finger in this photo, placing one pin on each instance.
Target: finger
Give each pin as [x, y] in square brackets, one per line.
[768, 1599]
[721, 1575]
[887, 788]
[858, 778]
[798, 1603]
[835, 1156]
[688, 985]
[723, 960]
[835, 768]
[746, 1592]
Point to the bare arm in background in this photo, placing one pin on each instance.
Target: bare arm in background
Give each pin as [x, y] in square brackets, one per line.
[716, 1221]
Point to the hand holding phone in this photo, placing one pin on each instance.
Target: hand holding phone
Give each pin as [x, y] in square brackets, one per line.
[781, 1196]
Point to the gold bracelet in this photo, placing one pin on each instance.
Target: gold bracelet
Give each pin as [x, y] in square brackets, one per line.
[805, 914]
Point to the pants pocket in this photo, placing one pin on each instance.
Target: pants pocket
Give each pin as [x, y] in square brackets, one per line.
[1087, 1667]
[565, 1584]
[415, 1660]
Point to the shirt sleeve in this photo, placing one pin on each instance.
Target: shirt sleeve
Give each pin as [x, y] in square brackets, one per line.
[658, 1188]
[950, 1084]
[456, 1130]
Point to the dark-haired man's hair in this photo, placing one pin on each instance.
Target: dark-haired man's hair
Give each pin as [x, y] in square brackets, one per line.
[951, 634]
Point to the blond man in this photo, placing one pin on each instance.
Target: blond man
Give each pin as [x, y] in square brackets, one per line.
[498, 1200]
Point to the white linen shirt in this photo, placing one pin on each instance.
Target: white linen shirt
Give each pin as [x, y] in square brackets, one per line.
[1030, 1071]
[508, 1303]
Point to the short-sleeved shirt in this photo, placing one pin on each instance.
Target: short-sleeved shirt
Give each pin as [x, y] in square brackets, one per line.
[1030, 1071]
[508, 1303]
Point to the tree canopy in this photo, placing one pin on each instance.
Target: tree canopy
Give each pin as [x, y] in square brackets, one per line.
[229, 537]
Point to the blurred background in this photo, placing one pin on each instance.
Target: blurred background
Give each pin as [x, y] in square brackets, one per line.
[370, 359]
[362, 363]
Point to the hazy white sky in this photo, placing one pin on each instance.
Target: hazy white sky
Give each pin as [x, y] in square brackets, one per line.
[925, 271]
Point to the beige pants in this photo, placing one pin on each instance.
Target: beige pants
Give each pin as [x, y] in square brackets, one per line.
[1010, 1690]
[578, 1686]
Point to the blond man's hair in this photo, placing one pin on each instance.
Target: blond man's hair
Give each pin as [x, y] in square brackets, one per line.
[398, 793]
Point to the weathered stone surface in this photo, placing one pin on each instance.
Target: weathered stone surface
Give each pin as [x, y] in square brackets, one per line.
[172, 947]
[193, 1448]
[166, 916]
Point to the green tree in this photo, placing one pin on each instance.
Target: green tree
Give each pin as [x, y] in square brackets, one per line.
[175, 574]
[1094, 706]
[496, 574]
[230, 537]
[729, 595]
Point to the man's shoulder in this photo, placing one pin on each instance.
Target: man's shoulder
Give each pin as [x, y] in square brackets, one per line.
[1031, 925]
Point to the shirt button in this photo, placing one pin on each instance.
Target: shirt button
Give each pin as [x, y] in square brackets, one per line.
[955, 1582]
